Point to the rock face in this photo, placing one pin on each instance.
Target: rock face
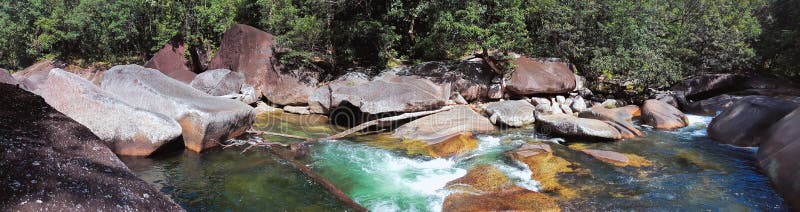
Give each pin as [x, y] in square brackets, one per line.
[446, 133]
[514, 113]
[469, 78]
[30, 78]
[620, 118]
[744, 123]
[5, 77]
[205, 120]
[249, 50]
[571, 126]
[661, 115]
[171, 61]
[777, 156]
[706, 85]
[224, 82]
[712, 105]
[381, 95]
[126, 129]
[51, 162]
[536, 76]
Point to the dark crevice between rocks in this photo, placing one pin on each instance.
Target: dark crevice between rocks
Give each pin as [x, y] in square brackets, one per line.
[170, 148]
[348, 115]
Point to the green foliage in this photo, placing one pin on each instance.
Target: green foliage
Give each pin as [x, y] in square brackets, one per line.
[647, 42]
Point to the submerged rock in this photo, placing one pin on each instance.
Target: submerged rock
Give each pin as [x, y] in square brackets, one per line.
[5, 77]
[618, 159]
[544, 166]
[171, 61]
[746, 121]
[446, 133]
[661, 115]
[539, 76]
[482, 178]
[51, 162]
[510, 199]
[777, 156]
[250, 51]
[127, 130]
[514, 113]
[205, 120]
[571, 126]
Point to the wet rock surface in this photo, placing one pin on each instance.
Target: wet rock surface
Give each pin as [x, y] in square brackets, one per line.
[661, 115]
[51, 162]
[446, 133]
[205, 120]
[545, 166]
[514, 113]
[127, 130]
[539, 76]
[745, 123]
[250, 51]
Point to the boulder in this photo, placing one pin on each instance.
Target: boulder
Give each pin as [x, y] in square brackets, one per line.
[777, 156]
[495, 91]
[482, 178]
[250, 51]
[578, 104]
[446, 133]
[5, 77]
[514, 113]
[706, 85]
[571, 126]
[262, 107]
[302, 110]
[171, 61]
[30, 77]
[224, 82]
[746, 121]
[713, 105]
[382, 95]
[470, 78]
[319, 101]
[205, 120]
[539, 76]
[127, 130]
[52, 163]
[661, 115]
[619, 117]
[617, 159]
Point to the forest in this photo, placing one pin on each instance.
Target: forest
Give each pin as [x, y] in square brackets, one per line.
[646, 42]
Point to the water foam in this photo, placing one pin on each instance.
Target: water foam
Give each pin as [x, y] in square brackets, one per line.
[382, 180]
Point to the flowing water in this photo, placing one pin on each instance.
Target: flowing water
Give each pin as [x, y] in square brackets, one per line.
[690, 172]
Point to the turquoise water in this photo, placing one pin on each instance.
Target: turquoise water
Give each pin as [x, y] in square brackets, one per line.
[690, 172]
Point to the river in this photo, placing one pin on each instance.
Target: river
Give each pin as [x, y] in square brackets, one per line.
[690, 172]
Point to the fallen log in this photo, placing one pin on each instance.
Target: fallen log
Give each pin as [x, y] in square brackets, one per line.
[357, 128]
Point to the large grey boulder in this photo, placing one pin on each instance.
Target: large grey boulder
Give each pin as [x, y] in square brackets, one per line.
[469, 78]
[31, 77]
[446, 133]
[619, 118]
[226, 83]
[381, 95]
[747, 120]
[540, 76]
[571, 126]
[661, 115]
[205, 120]
[514, 113]
[777, 156]
[128, 130]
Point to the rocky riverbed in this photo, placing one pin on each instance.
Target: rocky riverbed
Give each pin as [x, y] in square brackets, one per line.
[251, 133]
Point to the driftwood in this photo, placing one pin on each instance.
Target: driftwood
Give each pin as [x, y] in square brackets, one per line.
[357, 128]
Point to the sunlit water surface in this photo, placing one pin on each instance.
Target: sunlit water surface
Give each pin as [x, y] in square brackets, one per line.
[691, 172]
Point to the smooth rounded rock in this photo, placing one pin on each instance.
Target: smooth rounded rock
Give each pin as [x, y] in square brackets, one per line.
[539, 76]
[514, 113]
[746, 121]
[661, 115]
